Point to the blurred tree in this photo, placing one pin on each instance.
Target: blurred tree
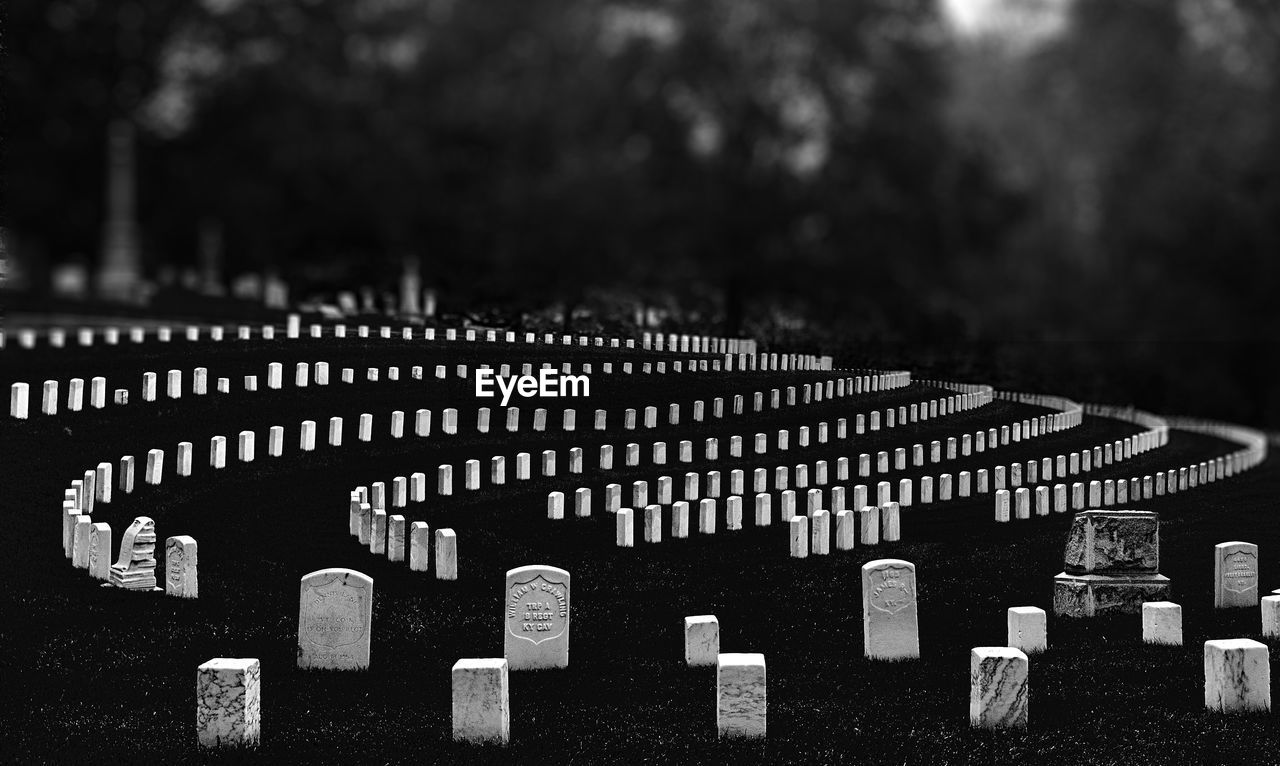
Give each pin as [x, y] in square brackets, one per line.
[1145, 132]
[531, 148]
[74, 66]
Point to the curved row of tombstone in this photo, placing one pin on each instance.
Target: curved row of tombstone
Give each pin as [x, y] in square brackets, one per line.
[20, 392]
[371, 515]
[367, 506]
[810, 533]
[1112, 492]
[96, 484]
[56, 337]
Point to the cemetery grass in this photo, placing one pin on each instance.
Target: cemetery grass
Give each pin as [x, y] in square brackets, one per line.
[103, 674]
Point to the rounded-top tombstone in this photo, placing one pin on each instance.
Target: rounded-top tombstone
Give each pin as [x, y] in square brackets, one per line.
[536, 616]
[889, 623]
[335, 615]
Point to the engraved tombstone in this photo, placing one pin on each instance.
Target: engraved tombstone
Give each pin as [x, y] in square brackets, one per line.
[537, 618]
[180, 567]
[335, 614]
[889, 623]
[1235, 575]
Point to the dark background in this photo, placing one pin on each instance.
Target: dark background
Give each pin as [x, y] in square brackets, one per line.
[1094, 175]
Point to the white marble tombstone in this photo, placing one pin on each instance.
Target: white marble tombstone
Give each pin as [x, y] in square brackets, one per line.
[701, 640]
[1235, 575]
[536, 616]
[481, 707]
[229, 703]
[889, 622]
[335, 616]
[998, 688]
[741, 698]
[180, 563]
[1237, 676]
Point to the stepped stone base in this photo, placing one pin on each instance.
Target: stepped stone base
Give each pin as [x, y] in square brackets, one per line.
[1093, 595]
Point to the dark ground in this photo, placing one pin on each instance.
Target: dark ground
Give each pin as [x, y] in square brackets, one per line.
[96, 674]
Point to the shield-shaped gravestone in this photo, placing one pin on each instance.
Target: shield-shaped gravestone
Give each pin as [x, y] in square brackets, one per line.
[889, 626]
[536, 616]
[335, 614]
[1235, 575]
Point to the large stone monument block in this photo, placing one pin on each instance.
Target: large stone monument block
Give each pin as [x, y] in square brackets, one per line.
[1112, 564]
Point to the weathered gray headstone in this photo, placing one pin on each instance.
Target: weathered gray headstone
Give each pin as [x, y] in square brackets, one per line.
[1112, 563]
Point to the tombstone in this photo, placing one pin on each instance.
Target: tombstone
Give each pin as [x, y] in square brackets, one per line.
[419, 546]
[99, 557]
[1162, 623]
[80, 541]
[799, 529]
[1271, 616]
[889, 622]
[180, 563]
[1235, 575]
[890, 522]
[1112, 565]
[680, 519]
[1028, 629]
[869, 525]
[19, 400]
[701, 640]
[395, 538]
[820, 533]
[481, 706]
[537, 618]
[624, 527]
[997, 688]
[707, 516]
[1237, 676]
[446, 554]
[229, 703]
[1002, 505]
[135, 568]
[764, 511]
[653, 524]
[741, 699]
[335, 615]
